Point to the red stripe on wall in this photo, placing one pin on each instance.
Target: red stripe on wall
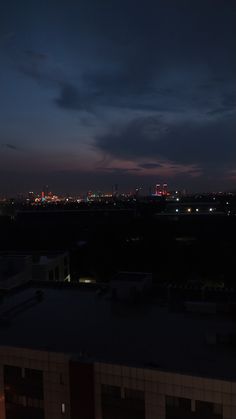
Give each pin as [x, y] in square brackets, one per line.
[82, 390]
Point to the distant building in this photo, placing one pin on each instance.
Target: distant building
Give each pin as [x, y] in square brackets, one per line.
[161, 190]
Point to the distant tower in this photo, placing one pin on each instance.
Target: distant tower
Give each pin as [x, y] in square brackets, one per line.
[164, 189]
[158, 191]
[161, 190]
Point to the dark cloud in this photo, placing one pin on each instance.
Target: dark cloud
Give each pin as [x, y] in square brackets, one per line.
[128, 58]
[221, 111]
[150, 165]
[36, 65]
[137, 139]
[155, 57]
[36, 56]
[70, 98]
[119, 170]
[135, 71]
[7, 36]
[207, 143]
[229, 99]
[11, 147]
[226, 102]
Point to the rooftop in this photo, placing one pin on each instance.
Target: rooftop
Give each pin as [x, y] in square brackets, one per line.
[12, 265]
[85, 322]
[131, 276]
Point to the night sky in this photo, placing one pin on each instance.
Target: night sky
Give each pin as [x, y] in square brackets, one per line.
[97, 92]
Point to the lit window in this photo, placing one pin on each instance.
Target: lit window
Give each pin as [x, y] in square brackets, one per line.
[63, 408]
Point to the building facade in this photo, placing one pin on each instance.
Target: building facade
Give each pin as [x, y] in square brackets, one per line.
[48, 385]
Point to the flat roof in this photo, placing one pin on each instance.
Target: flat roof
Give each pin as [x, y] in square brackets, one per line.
[145, 335]
[130, 276]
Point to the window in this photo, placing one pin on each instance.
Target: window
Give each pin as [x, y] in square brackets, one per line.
[63, 408]
[11, 372]
[215, 409]
[178, 407]
[134, 394]
[34, 375]
[111, 392]
[178, 402]
[23, 393]
[131, 406]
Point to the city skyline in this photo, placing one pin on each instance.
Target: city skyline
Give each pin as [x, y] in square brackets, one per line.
[117, 93]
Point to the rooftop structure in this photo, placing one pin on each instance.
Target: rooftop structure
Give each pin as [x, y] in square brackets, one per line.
[33, 265]
[130, 284]
[51, 267]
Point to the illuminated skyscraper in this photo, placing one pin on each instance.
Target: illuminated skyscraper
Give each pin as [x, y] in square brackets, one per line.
[158, 191]
[161, 190]
[164, 189]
